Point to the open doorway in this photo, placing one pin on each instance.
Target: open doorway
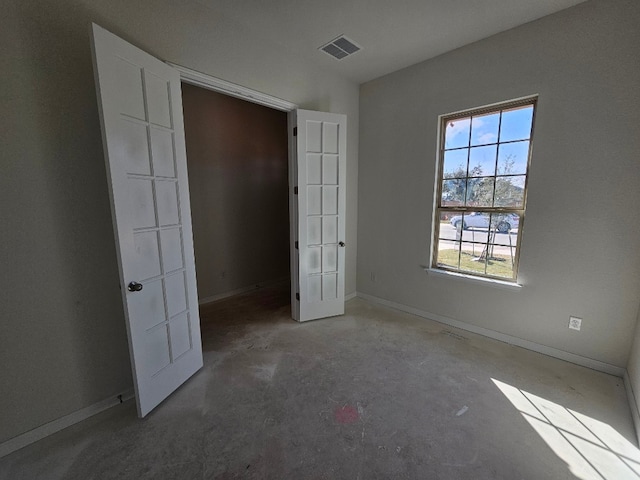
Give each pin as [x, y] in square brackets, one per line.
[237, 157]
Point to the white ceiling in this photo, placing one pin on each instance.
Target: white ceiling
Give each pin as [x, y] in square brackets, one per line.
[393, 33]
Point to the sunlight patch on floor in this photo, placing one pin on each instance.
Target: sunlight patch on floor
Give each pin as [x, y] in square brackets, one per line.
[592, 449]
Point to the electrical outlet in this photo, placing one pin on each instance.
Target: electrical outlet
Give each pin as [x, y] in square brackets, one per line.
[575, 323]
[373, 277]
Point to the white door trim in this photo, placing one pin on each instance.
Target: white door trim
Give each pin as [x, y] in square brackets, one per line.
[209, 82]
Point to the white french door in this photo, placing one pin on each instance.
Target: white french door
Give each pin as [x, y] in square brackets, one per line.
[143, 137]
[319, 214]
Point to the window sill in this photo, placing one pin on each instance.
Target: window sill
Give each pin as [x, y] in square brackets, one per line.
[491, 282]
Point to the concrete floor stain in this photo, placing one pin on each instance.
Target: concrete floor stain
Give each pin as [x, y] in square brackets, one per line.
[346, 414]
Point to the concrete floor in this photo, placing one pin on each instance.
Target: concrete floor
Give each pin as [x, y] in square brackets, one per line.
[373, 394]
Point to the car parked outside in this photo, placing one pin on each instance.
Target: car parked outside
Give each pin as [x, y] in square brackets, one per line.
[506, 221]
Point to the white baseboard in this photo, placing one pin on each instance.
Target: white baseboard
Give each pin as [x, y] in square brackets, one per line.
[240, 291]
[536, 347]
[633, 404]
[32, 436]
[350, 296]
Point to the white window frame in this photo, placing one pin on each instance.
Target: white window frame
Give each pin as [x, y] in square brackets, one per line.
[438, 207]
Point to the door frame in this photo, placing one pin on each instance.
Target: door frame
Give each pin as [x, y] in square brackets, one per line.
[209, 82]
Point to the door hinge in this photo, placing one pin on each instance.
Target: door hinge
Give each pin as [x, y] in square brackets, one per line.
[295, 131]
[296, 244]
[295, 190]
[298, 296]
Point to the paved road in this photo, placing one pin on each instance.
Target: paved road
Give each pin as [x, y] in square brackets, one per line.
[447, 231]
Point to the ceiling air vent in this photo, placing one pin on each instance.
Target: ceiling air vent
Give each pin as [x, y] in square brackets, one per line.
[340, 47]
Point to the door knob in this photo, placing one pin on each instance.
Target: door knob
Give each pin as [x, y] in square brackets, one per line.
[134, 287]
[341, 244]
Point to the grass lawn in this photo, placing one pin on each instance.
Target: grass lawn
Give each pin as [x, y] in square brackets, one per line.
[498, 265]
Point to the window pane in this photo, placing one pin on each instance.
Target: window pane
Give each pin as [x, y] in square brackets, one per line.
[457, 133]
[484, 129]
[455, 163]
[475, 220]
[453, 192]
[447, 231]
[480, 192]
[448, 253]
[471, 259]
[500, 261]
[482, 161]
[498, 254]
[509, 191]
[504, 223]
[512, 158]
[516, 124]
[476, 234]
[457, 222]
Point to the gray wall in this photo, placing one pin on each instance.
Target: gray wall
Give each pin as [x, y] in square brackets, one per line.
[62, 335]
[580, 251]
[633, 370]
[237, 154]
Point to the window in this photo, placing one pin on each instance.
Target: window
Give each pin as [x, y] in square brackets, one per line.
[484, 161]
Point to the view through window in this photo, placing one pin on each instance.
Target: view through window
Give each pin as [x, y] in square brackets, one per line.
[482, 189]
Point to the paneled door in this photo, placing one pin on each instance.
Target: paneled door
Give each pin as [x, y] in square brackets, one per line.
[320, 214]
[143, 137]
